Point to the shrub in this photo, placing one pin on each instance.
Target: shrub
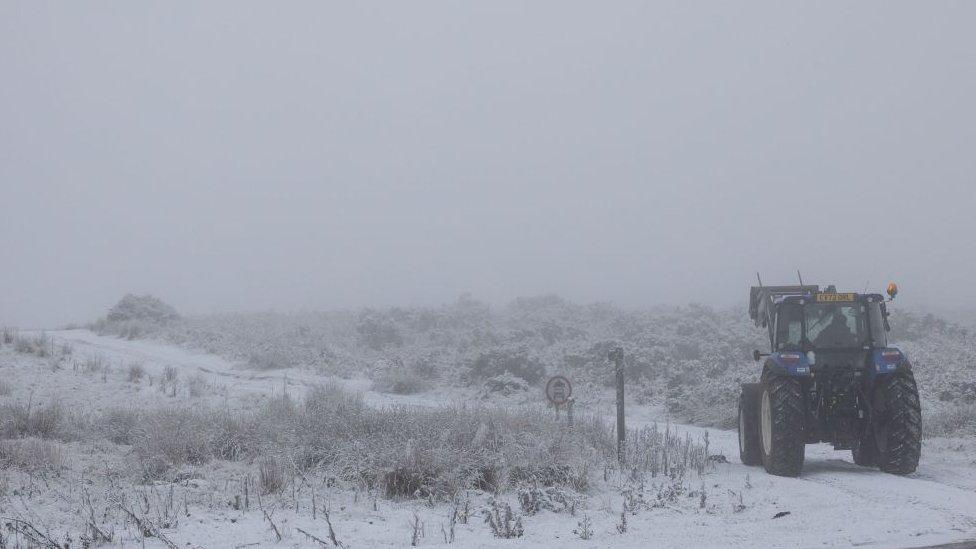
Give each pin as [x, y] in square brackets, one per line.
[268, 360]
[505, 384]
[513, 362]
[377, 333]
[4, 388]
[119, 425]
[502, 523]
[141, 307]
[399, 381]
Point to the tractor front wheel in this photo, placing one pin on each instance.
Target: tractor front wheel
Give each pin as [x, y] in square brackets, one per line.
[781, 419]
[749, 446]
[897, 423]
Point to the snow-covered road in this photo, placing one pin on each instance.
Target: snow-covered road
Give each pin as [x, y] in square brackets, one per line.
[833, 503]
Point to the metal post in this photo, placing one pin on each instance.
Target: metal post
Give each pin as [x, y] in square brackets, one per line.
[617, 356]
[569, 411]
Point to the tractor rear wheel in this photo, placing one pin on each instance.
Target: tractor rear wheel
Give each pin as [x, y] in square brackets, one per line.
[897, 423]
[750, 451]
[781, 419]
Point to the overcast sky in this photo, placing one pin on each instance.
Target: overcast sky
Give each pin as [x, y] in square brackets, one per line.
[241, 156]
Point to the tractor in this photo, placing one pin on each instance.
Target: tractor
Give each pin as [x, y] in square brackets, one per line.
[830, 376]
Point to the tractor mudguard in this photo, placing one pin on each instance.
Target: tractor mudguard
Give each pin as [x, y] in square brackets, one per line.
[790, 363]
[886, 361]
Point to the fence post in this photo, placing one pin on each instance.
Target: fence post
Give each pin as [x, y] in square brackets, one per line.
[617, 356]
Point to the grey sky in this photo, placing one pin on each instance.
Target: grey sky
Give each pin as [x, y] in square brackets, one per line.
[234, 155]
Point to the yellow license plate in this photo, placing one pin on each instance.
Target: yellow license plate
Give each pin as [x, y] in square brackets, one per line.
[832, 298]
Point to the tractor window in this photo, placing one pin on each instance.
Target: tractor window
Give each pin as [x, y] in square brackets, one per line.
[876, 320]
[789, 327]
[834, 325]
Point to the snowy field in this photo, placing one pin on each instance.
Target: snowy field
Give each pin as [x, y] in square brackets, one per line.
[83, 491]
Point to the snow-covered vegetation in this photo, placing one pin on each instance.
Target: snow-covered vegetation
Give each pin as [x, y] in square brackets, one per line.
[688, 360]
[134, 450]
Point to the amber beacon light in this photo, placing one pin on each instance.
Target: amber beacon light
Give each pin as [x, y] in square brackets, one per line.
[892, 290]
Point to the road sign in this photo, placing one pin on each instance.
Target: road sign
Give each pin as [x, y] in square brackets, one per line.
[558, 390]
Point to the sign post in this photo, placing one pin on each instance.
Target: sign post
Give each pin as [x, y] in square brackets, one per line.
[559, 391]
[617, 356]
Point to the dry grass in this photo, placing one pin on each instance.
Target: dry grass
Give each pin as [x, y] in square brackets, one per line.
[170, 374]
[40, 345]
[271, 475]
[31, 454]
[24, 420]
[196, 386]
[93, 364]
[135, 372]
[953, 420]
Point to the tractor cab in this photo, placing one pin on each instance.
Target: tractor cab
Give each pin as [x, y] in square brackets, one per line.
[828, 322]
[804, 318]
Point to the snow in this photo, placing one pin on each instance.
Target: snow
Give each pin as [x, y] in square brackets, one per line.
[833, 504]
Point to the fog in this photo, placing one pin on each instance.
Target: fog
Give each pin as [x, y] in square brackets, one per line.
[243, 156]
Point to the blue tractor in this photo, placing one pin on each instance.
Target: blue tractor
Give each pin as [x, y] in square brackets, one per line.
[830, 377]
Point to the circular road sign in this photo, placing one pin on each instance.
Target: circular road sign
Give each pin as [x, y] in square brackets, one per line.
[558, 390]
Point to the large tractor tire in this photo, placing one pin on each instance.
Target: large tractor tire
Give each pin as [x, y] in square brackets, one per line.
[897, 423]
[781, 420]
[750, 451]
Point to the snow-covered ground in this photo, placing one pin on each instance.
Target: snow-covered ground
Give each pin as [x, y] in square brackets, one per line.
[834, 503]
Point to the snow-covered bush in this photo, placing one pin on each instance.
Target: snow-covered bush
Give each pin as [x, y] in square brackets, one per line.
[141, 307]
[399, 380]
[271, 359]
[377, 332]
[504, 384]
[514, 362]
[136, 316]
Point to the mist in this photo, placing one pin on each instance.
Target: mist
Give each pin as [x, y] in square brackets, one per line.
[244, 156]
